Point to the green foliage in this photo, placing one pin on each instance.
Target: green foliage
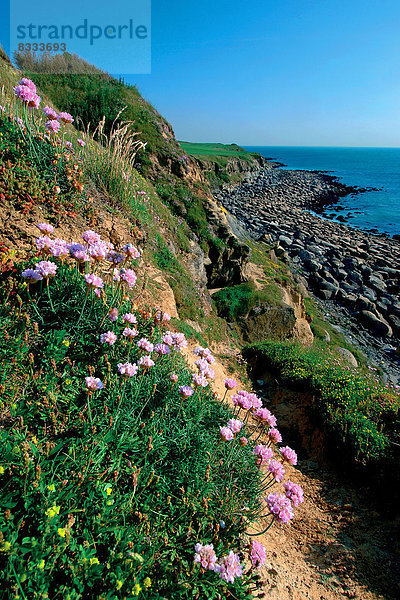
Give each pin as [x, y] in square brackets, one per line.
[362, 414]
[106, 493]
[237, 300]
[36, 170]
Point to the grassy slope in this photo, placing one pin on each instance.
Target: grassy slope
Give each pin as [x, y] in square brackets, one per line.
[216, 150]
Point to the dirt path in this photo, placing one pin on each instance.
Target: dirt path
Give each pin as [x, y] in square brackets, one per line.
[336, 546]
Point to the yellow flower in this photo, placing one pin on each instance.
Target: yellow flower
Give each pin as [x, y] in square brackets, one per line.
[1, 470]
[94, 561]
[51, 487]
[66, 343]
[136, 589]
[119, 584]
[5, 546]
[40, 564]
[147, 582]
[61, 532]
[53, 511]
[68, 382]
[108, 491]
[110, 502]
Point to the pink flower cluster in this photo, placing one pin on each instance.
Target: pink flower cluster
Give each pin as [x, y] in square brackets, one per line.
[127, 369]
[263, 454]
[145, 345]
[230, 383]
[43, 270]
[93, 384]
[26, 91]
[280, 506]
[294, 492]
[289, 455]
[258, 554]
[176, 340]
[108, 338]
[228, 567]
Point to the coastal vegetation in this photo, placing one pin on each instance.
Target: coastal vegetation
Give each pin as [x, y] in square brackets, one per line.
[122, 473]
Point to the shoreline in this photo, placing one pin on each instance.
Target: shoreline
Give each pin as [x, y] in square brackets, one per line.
[355, 274]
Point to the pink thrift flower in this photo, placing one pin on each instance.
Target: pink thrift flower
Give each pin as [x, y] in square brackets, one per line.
[199, 381]
[52, 126]
[116, 275]
[91, 237]
[258, 554]
[165, 318]
[294, 492]
[280, 507]
[129, 318]
[209, 373]
[229, 567]
[199, 351]
[146, 362]
[94, 383]
[59, 248]
[289, 455]
[145, 345]
[274, 435]
[226, 434]
[167, 338]
[162, 349]
[94, 281]
[81, 142]
[127, 369]
[113, 315]
[46, 268]
[32, 275]
[242, 399]
[50, 113]
[108, 338]
[256, 402]
[45, 227]
[206, 556]
[131, 251]
[201, 364]
[115, 257]
[235, 425]
[78, 252]
[185, 391]
[44, 244]
[129, 276]
[65, 117]
[230, 383]
[179, 341]
[98, 251]
[28, 83]
[173, 377]
[69, 145]
[265, 415]
[243, 441]
[276, 469]
[263, 453]
[130, 333]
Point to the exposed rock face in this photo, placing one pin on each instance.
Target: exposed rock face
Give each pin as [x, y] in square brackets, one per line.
[226, 265]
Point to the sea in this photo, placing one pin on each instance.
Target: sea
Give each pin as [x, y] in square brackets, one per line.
[376, 210]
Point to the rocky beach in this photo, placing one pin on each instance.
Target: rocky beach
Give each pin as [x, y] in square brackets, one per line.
[354, 274]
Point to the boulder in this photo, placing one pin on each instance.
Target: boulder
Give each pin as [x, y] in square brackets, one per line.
[375, 323]
[348, 356]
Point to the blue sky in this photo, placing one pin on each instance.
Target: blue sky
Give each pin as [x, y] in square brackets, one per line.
[263, 72]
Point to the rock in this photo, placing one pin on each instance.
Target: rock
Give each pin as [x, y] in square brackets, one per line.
[348, 356]
[376, 324]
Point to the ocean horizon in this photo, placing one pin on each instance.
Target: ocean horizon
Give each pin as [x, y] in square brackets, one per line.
[365, 167]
